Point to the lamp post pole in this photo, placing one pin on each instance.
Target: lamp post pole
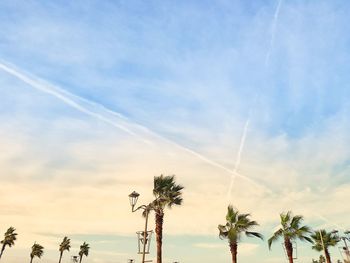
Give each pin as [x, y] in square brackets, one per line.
[324, 249]
[133, 199]
[346, 248]
[347, 253]
[145, 236]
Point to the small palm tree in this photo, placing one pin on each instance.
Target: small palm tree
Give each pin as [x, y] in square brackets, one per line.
[167, 194]
[322, 240]
[10, 237]
[236, 225]
[84, 251]
[37, 251]
[290, 231]
[65, 245]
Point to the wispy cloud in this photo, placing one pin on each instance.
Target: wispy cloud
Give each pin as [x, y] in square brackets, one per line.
[130, 90]
[73, 101]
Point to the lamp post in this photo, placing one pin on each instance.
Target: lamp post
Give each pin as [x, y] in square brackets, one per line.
[74, 259]
[322, 241]
[346, 248]
[133, 197]
[324, 249]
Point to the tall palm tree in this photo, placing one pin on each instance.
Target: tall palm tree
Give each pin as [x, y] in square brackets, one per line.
[290, 231]
[37, 251]
[167, 194]
[65, 245]
[84, 251]
[322, 240]
[10, 237]
[236, 225]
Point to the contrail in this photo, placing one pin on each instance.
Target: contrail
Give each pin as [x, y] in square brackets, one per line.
[100, 112]
[73, 101]
[239, 157]
[61, 95]
[273, 32]
[267, 62]
[246, 125]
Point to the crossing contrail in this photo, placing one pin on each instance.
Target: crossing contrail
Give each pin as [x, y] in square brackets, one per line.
[100, 112]
[246, 125]
[110, 117]
[239, 157]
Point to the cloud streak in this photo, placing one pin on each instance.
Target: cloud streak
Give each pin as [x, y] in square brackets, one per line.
[101, 113]
[273, 33]
[246, 125]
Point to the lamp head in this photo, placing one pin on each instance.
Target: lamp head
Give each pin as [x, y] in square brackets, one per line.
[133, 198]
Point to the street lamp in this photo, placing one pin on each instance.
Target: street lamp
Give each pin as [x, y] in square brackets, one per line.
[133, 199]
[74, 259]
[344, 250]
[322, 241]
[144, 237]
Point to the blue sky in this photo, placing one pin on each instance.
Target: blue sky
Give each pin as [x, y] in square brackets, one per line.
[99, 97]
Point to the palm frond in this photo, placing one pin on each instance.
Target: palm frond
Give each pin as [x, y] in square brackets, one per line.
[236, 225]
[255, 234]
[275, 237]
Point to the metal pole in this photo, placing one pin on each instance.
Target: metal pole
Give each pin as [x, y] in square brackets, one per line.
[347, 249]
[145, 237]
[324, 249]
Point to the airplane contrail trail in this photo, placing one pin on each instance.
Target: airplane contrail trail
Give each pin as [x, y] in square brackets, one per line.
[100, 113]
[273, 32]
[73, 101]
[246, 125]
[60, 94]
[239, 157]
[245, 129]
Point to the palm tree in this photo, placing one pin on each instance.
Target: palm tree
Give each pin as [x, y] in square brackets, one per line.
[9, 240]
[166, 193]
[236, 225]
[84, 251]
[290, 231]
[322, 240]
[37, 251]
[65, 245]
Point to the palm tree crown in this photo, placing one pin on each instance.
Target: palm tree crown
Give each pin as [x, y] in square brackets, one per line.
[65, 244]
[291, 229]
[37, 251]
[236, 225]
[10, 237]
[166, 192]
[84, 250]
[322, 240]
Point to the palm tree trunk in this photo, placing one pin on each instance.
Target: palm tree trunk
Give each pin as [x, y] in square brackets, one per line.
[233, 249]
[328, 256]
[159, 234]
[60, 257]
[81, 258]
[2, 250]
[289, 249]
[31, 259]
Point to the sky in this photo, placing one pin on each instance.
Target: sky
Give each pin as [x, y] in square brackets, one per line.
[246, 102]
